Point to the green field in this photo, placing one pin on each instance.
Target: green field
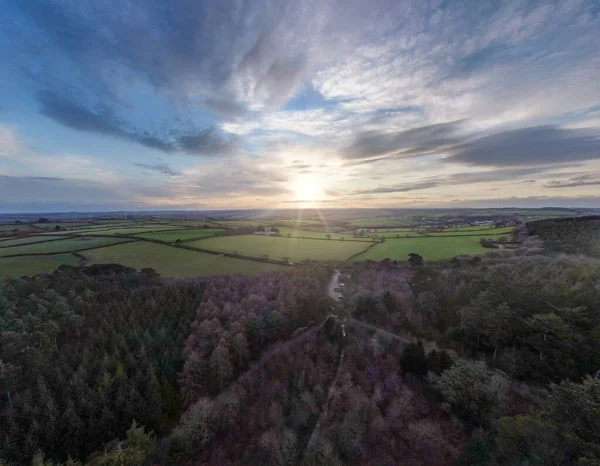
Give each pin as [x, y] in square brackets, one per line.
[429, 248]
[489, 231]
[397, 234]
[171, 261]
[383, 221]
[65, 225]
[190, 223]
[127, 230]
[17, 266]
[27, 240]
[294, 249]
[296, 233]
[293, 223]
[63, 245]
[183, 235]
[15, 227]
[239, 223]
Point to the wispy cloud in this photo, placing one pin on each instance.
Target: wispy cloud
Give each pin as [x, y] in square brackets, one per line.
[160, 167]
[530, 147]
[584, 180]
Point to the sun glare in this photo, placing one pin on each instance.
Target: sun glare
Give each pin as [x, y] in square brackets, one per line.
[307, 189]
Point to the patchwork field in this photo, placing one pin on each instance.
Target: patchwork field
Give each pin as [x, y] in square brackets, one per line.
[278, 248]
[301, 244]
[182, 235]
[28, 265]
[62, 245]
[297, 233]
[488, 232]
[383, 221]
[128, 230]
[397, 234]
[171, 261]
[62, 225]
[27, 240]
[429, 248]
[15, 227]
[239, 223]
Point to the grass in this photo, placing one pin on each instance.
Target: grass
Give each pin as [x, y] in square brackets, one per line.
[429, 248]
[382, 221]
[18, 266]
[240, 223]
[63, 245]
[297, 222]
[27, 240]
[397, 234]
[183, 235]
[294, 232]
[489, 231]
[65, 225]
[128, 230]
[294, 249]
[171, 261]
[15, 227]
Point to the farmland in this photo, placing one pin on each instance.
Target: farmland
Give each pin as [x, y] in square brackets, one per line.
[429, 248]
[298, 233]
[183, 246]
[27, 240]
[30, 265]
[294, 249]
[61, 245]
[183, 235]
[486, 232]
[171, 261]
[128, 230]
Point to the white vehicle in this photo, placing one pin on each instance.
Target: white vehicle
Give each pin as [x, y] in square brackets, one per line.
[340, 297]
[342, 285]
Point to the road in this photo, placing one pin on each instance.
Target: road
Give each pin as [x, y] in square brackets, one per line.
[374, 328]
[333, 284]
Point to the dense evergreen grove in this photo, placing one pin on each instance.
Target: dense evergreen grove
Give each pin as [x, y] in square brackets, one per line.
[526, 334]
[84, 353]
[536, 319]
[580, 235]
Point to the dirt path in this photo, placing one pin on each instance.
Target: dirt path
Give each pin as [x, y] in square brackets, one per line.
[333, 284]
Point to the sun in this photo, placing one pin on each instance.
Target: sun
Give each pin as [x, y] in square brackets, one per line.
[307, 189]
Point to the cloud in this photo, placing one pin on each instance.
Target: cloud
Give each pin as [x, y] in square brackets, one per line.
[332, 193]
[416, 141]
[228, 109]
[456, 179]
[529, 147]
[208, 141]
[530, 202]
[400, 188]
[584, 180]
[160, 167]
[9, 142]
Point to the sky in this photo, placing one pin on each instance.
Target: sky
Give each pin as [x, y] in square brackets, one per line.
[204, 104]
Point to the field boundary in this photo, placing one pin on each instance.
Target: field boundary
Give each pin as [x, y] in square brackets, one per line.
[177, 245]
[362, 252]
[465, 236]
[28, 244]
[27, 254]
